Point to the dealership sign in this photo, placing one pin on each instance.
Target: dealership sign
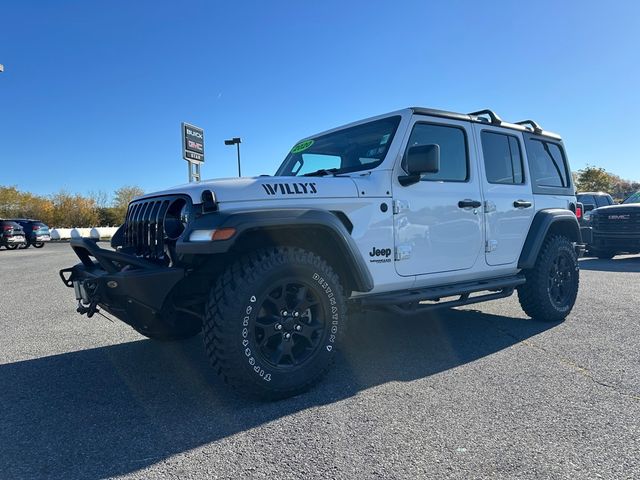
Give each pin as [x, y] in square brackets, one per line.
[192, 143]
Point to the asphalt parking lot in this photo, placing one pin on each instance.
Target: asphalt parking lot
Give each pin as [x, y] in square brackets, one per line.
[480, 392]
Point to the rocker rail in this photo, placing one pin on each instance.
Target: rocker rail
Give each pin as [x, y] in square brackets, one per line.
[408, 302]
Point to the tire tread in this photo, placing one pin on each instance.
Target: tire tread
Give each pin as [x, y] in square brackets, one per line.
[533, 295]
[218, 329]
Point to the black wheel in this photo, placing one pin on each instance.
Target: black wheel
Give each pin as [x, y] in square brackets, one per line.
[272, 322]
[12, 246]
[24, 246]
[552, 284]
[38, 244]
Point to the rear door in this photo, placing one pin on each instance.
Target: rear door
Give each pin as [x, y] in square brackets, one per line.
[509, 203]
[437, 227]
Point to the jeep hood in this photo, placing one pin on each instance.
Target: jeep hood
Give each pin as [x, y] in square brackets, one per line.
[265, 188]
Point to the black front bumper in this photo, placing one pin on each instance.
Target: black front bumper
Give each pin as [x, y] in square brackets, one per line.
[133, 289]
[624, 242]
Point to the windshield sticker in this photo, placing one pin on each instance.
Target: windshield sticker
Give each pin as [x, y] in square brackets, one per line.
[302, 146]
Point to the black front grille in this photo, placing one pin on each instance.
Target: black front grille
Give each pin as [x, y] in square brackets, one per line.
[144, 232]
[617, 222]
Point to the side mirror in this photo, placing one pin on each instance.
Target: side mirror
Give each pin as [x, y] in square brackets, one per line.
[421, 159]
[589, 206]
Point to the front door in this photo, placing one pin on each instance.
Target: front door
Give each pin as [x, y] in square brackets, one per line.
[509, 203]
[438, 220]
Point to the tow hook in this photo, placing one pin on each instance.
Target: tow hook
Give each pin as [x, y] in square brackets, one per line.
[87, 296]
[90, 309]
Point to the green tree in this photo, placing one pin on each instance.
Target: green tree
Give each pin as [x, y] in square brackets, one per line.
[109, 217]
[622, 188]
[594, 179]
[17, 204]
[73, 210]
[121, 199]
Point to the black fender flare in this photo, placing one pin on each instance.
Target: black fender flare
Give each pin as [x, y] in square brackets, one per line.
[249, 221]
[549, 220]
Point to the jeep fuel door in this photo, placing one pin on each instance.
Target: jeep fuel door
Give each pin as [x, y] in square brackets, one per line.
[438, 219]
[509, 203]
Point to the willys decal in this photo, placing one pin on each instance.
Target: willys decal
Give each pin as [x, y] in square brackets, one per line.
[297, 188]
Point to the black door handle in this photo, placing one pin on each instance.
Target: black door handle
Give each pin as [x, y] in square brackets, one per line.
[521, 204]
[466, 203]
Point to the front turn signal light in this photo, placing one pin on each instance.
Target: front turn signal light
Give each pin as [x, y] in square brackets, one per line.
[212, 235]
[223, 234]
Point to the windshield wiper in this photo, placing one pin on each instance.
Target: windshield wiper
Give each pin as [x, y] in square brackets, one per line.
[322, 172]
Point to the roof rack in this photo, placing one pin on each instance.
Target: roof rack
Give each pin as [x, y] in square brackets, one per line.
[495, 119]
[487, 116]
[534, 125]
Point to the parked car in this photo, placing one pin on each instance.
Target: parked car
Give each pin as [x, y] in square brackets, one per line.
[11, 235]
[591, 201]
[616, 228]
[36, 233]
[410, 211]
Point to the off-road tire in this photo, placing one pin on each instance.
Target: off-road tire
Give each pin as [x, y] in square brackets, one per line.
[12, 246]
[38, 245]
[536, 294]
[245, 294]
[24, 246]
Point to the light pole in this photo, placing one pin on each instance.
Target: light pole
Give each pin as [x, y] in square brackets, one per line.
[235, 141]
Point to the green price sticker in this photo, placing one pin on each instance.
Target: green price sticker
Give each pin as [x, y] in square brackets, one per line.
[302, 146]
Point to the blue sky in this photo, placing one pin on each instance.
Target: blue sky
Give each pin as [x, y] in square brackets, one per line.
[93, 93]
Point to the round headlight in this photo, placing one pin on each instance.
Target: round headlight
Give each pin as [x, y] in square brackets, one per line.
[176, 219]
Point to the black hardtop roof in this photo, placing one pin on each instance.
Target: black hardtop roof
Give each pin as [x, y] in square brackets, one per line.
[489, 117]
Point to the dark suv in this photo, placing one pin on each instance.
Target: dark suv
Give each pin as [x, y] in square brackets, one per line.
[36, 232]
[593, 200]
[616, 228]
[11, 235]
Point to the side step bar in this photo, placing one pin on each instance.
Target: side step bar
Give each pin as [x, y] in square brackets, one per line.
[408, 301]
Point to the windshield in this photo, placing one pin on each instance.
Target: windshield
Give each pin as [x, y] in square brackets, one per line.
[362, 147]
[634, 198]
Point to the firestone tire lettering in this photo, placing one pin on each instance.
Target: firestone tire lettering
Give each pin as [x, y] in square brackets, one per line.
[231, 311]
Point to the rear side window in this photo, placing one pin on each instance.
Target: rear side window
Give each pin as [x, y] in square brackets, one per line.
[604, 200]
[454, 165]
[548, 164]
[548, 167]
[502, 158]
[587, 200]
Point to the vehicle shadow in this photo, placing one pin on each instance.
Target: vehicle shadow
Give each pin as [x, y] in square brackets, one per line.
[616, 264]
[112, 410]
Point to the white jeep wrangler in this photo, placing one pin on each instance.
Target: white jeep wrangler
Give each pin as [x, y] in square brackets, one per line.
[409, 211]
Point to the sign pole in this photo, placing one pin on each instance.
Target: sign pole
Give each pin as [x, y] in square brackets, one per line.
[239, 172]
[193, 149]
[235, 141]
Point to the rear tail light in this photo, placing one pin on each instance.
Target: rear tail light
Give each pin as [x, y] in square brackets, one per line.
[579, 211]
[7, 227]
[35, 227]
